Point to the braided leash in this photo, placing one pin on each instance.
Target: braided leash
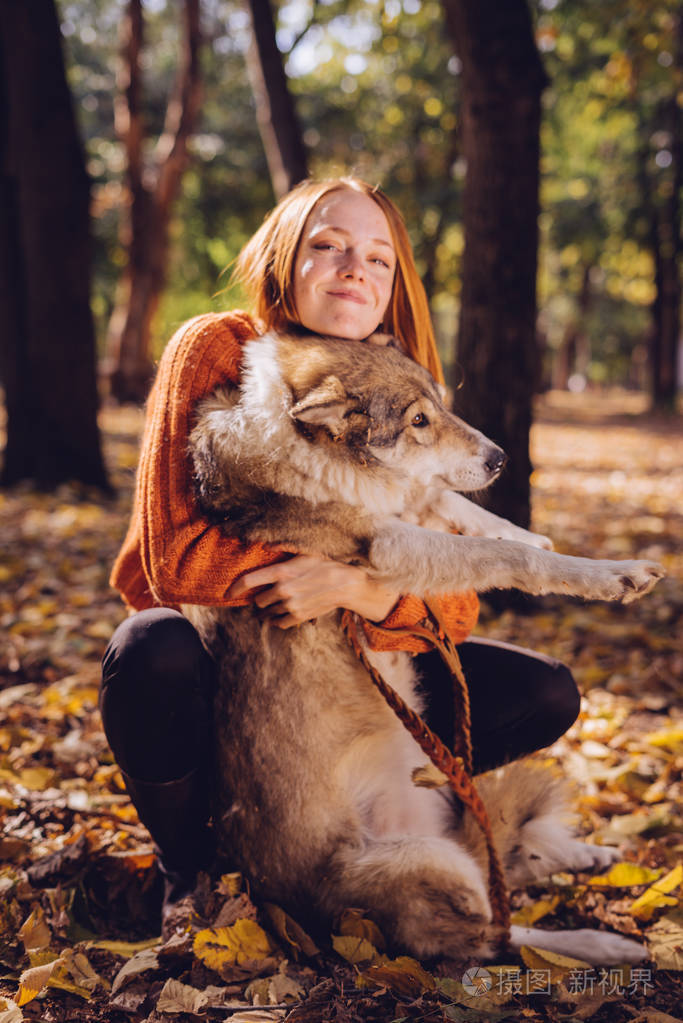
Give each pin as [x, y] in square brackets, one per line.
[457, 766]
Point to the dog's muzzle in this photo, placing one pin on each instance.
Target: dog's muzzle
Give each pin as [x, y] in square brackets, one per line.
[495, 461]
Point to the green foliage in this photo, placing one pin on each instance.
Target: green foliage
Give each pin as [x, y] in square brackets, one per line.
[377, 93]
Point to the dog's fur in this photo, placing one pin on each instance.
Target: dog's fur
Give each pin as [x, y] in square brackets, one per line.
[345, 449]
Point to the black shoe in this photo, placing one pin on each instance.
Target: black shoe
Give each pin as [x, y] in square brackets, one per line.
[176, 814]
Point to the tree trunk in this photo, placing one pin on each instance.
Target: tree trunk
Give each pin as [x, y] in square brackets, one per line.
[666, 235]
[153, 185]
[278, 124]
[573, 355]
[48, 345]
[502, 82]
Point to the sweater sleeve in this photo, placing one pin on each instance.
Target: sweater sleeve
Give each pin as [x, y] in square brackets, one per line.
[173, 554]
[183, 557]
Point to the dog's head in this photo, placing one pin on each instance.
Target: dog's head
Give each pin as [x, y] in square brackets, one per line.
[382, 409]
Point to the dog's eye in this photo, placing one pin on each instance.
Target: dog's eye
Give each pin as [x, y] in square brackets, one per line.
[419, 420]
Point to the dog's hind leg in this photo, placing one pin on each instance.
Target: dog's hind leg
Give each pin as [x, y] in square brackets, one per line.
[528, 806]
[427, 894]
[600, 948]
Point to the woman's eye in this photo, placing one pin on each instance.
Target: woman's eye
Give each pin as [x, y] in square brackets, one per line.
[381, 262]
[419, 420]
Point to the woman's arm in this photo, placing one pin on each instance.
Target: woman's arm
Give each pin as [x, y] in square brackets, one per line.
[173, 554]
[307, 586]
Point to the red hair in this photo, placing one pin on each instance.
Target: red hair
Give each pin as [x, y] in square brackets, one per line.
[265, 267]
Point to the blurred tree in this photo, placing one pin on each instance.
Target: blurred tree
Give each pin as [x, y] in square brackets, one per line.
[153, 185]
[612, 184]
[661, 179]
[502, 83]
[275, 113]
[48, 350]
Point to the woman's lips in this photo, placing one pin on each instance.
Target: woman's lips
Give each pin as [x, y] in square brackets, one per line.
[349, 296]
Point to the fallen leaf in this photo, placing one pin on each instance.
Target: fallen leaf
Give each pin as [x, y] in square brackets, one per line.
[75, 974]
[148, 959]
[429, 776]
[665, 941]
[34, 933]
[244, 942]
[10, 1011]
[34, 980]
[353, 923]
[655, 1016]
[657, 894]
[124, 948]
[403, 976]
[291, 932]
[625, 875]
[354, 950]
[558, 966]
[177, 997]
[670, 738]
[276, 990]
[528, 915]
[258, 1016]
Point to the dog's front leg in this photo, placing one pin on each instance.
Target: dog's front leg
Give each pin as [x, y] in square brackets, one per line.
[473, 520]
[422, 561]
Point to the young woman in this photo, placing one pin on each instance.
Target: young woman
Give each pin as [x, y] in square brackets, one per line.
[334, 258]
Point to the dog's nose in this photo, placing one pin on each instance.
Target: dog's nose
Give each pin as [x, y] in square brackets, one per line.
[495, 461]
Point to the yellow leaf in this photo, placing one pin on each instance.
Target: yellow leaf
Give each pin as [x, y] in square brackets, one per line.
[33, 980]
[429, 776]
[404, 977]
[559, 966]
[124, 948]
[230, 884]
[34, 932]
[241, 943]
[657, 894]
[528, 915]
[354, 950]
[671, 738]
[354, 924]
[37, 778]
[624, 875]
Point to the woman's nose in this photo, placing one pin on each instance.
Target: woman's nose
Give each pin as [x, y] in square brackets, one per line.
[351, 265]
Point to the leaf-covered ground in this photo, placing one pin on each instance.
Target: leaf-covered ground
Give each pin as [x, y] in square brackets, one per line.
[78, 884]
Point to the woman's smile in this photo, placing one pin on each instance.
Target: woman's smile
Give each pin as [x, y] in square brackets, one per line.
[344, 268]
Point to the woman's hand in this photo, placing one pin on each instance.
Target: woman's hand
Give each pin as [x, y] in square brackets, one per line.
[307, 586]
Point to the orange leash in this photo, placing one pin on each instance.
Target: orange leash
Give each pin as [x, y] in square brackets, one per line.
[456, 766]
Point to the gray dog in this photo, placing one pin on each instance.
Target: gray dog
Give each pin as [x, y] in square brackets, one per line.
[345, 449]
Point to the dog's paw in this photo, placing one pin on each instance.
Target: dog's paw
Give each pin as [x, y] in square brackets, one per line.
[624, 581]
[589, 858]
[512, 532]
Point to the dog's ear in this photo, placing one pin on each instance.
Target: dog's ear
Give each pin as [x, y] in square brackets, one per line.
[326, 405]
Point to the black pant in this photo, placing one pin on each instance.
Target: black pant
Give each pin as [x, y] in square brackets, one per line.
[158, 684]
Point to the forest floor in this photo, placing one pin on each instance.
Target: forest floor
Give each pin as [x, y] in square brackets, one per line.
[78, 884]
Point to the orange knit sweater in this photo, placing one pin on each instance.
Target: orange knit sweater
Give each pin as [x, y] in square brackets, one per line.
[172, 554]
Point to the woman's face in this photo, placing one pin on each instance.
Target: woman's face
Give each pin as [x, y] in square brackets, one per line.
[344, 269]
